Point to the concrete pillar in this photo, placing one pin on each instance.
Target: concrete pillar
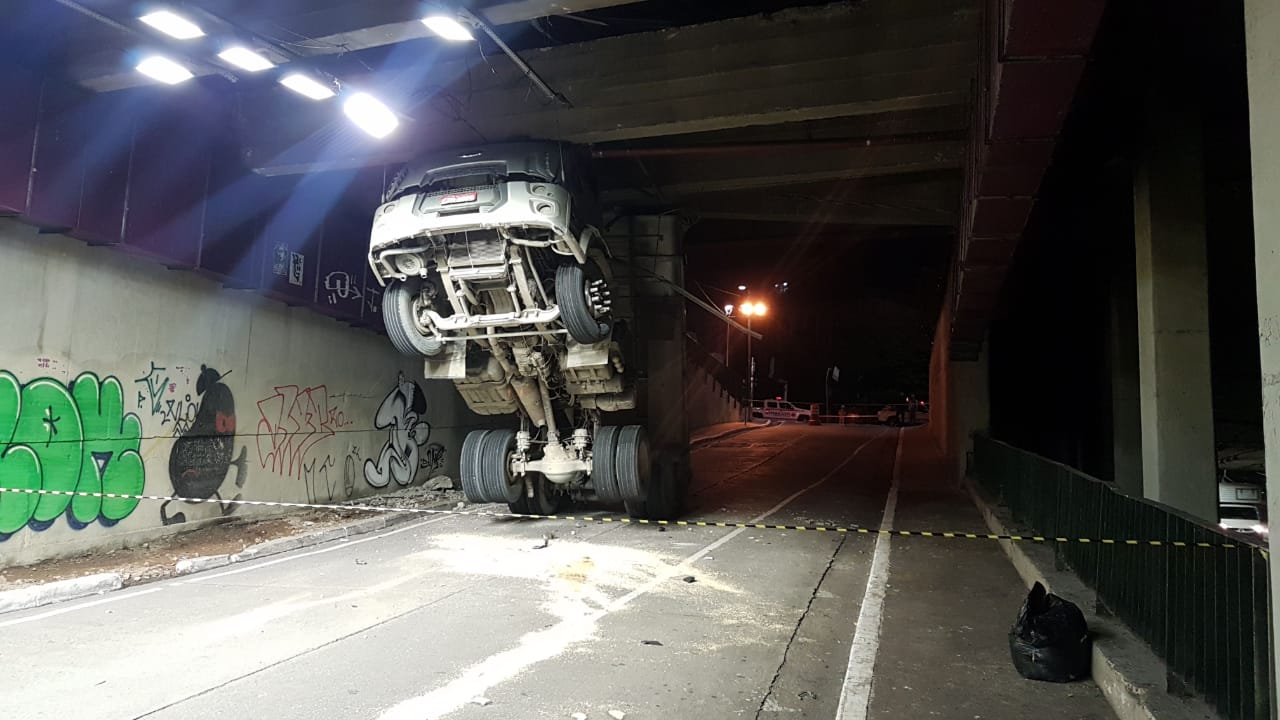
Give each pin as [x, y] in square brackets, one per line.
[969, 407]
[1126, 414]
[1262, 27]
[651, 251]
[1176, 399]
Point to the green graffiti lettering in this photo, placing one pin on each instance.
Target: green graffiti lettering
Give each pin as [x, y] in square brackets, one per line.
[50, 426]
[110, 461]
[68, 439]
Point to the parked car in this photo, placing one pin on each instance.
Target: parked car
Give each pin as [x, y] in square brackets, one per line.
[779, 409]
[1242, 505]
[1241, 518]
[889, 415]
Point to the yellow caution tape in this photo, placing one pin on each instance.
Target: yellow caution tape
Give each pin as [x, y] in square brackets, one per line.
[669, 523]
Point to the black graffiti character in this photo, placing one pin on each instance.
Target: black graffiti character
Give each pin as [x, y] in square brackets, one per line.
[201, 456]
[401, 415]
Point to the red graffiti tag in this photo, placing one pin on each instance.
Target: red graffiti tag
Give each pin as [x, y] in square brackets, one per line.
[293, 421]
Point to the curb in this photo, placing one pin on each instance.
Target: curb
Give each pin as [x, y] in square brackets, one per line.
[53, 592]
[33, 596]
[1132, 678]
[700, 442]
[319, 537]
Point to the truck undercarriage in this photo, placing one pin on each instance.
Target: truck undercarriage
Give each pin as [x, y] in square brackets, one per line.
[497, 276]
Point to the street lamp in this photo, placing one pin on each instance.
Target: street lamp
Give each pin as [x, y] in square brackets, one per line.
[750, 310]
[728, 331]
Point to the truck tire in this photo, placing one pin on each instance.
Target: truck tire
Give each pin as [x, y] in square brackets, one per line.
[604, 475]
[668, 486]
[471, 469]
[580, 317]
[495, 463]
[397, 315]
[633, 463]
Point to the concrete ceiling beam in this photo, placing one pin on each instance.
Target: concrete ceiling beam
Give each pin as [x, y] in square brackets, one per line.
[701, 79]
[682, 178]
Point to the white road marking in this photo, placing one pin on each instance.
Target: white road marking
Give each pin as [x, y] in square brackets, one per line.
[855, 695]
[127, 595]
[336, 545]
[79, 606]
[574, 626]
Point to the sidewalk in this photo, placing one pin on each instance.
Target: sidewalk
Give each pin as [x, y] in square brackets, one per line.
[712, 433]
[206, 547]
[944, 649]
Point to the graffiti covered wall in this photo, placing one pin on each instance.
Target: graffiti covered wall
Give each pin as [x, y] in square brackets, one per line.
[119, 376]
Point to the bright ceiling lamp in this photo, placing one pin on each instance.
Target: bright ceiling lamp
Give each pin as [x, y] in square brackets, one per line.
[370, 115]
[172, 24]
[307, 86]
[163, 69]
[246, 59]
[447, 27]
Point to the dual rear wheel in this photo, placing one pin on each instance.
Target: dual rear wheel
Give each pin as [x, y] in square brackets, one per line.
[487, 477]
[622, 472]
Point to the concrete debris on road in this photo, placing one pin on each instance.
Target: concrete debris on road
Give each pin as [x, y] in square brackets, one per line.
[617, 714]
[579, 716]
[440, 482]
[412, 497]
[481, 701]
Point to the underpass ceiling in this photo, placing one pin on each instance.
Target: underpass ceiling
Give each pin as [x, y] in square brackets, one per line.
[803, 123]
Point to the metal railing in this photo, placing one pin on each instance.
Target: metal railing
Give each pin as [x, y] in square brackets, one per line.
[1204, 610]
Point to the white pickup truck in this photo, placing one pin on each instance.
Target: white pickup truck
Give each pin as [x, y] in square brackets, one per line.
[780, 410]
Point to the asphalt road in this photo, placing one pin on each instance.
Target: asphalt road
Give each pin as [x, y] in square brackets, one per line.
[427, 619]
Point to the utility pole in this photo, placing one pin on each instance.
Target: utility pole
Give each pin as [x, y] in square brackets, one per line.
[751, 371]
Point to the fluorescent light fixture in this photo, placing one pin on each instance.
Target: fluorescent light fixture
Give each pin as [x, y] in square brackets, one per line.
[306, 86]
[448, 28]
[370, 115]
[246, 59]
[172, 24]
[163, 69]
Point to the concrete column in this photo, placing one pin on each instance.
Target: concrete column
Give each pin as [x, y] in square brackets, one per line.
[1176, 399]
[1126, 415]
[1262, 27]
[969, 407]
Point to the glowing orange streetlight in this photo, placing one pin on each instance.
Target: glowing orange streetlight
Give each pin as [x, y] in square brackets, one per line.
[749, 310]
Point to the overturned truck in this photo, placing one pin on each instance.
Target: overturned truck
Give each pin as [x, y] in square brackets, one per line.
[497, 275]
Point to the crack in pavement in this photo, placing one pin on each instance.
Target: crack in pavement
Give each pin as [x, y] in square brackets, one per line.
[799, 623]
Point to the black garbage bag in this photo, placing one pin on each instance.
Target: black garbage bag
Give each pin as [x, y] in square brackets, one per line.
[1050, 640]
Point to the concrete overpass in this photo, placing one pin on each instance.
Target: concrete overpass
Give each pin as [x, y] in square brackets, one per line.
[174, 250]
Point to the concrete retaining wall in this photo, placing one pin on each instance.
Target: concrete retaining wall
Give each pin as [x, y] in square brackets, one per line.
[118, 375]
[708, 402]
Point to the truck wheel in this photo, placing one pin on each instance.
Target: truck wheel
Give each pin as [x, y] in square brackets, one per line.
[495, 462]
[471, 468]
[546, 498]
[586, 319]
[604, 475]
[667, 489]
[397, 315]
[632, 463]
